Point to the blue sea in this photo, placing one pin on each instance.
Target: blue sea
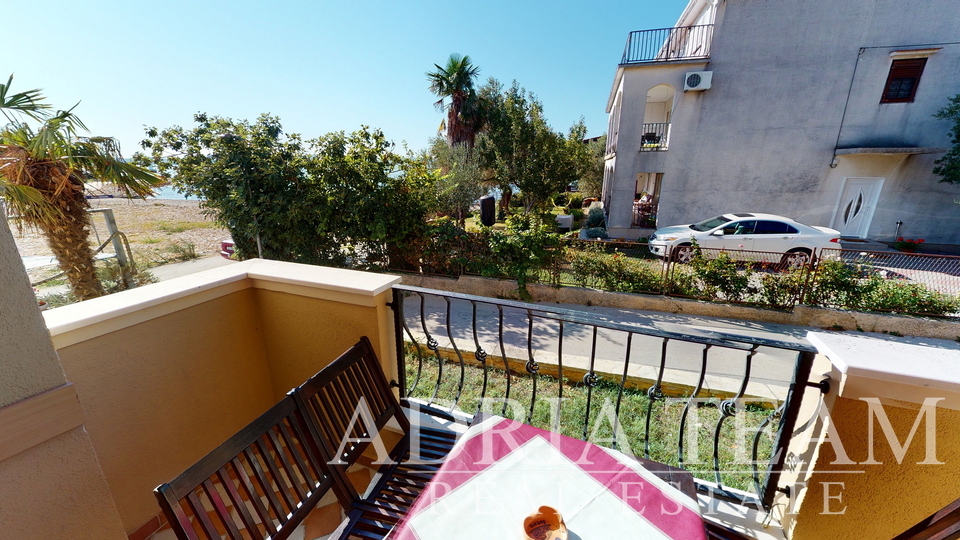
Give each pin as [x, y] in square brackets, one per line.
[168, 192]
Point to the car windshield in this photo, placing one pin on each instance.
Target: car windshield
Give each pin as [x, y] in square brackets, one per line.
[708, 224]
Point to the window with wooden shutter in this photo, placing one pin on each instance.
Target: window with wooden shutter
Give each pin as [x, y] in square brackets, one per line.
[903, 80]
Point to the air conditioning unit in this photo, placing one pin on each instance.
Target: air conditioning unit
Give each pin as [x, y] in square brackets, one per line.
[697, 80]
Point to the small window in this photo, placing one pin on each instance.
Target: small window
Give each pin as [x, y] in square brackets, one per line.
[902, 82]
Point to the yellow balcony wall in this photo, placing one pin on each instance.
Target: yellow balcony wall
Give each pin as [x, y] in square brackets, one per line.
[167, 372]
[855, 479]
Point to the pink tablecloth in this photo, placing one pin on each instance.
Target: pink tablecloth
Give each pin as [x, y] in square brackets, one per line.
[501, 470]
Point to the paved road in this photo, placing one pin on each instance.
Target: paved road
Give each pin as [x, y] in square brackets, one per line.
[175, 270]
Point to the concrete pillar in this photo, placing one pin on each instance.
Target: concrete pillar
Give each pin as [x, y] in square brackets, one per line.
[51, 483]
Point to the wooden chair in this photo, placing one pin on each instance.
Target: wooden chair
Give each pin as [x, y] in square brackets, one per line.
[349, 403]
[261, 483]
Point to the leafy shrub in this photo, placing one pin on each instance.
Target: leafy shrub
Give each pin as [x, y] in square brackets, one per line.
[854, 286]
[525, 246]
[596, 232]
[575, 201]
[516, 201]
[111, 276]
[895, 295]
[183, 251]
[838, 284]
[440, 251]
[683, 281]
[781, 289]
[595, 218]
[577, 213]
[721, 278]
[614, 272]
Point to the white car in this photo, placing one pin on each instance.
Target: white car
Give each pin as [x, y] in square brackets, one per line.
[746, 232]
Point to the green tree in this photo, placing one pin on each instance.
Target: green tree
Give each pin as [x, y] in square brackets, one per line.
[591, 176]
[380, 199]
[54, 162]
[464, 110]
[948, 167]
[341, 199]
[249, 177]
[461, 180]
[521, 149]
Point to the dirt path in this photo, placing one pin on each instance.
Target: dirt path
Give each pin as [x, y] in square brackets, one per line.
[155, 228]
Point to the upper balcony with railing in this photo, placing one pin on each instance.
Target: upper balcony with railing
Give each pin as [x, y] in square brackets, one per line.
[668, 44]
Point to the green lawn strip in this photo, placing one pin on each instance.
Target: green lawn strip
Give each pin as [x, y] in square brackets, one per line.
[735, 441]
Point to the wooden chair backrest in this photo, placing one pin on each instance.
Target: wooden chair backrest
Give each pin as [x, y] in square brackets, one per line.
[333, 399]
[261, 483]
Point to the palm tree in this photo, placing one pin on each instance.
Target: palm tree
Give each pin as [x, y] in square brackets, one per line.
[29, 103]
[42, 177]
[455, 81]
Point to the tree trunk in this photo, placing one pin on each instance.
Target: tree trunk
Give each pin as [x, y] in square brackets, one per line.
[505, 196]
[68, 238]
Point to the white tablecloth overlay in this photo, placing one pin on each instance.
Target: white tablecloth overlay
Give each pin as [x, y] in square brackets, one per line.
[500, 471]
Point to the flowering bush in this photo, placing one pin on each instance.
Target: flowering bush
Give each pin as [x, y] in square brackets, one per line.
[908, 244]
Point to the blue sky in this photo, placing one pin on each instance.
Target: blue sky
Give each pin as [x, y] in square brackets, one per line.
[320, 66]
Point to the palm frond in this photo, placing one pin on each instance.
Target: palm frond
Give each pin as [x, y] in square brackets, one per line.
[28, 102]
[100, 158]
[26, 205]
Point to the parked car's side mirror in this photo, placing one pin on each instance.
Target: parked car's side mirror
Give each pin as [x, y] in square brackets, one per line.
[718, 232]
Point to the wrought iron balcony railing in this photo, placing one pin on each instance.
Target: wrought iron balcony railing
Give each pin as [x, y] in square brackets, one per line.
[655, 136]
[664, 44]
[638, 389]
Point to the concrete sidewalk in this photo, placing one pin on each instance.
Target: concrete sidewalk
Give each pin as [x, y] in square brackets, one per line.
[175, 270]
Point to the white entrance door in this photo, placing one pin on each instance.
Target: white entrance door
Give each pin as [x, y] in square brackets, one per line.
[858, 200]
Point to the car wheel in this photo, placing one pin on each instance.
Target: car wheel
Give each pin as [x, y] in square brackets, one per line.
[682, 254]
[795, 259]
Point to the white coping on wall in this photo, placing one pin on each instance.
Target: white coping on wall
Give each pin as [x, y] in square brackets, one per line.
[891, 370]
[85, 320]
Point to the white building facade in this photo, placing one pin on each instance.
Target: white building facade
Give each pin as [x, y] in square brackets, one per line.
[821, 111]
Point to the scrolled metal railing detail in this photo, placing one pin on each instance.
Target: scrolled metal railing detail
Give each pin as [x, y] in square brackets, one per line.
[590, 387]
[481, 357]
[728, 407]
[434, 346]
[399, 297]
[690, 402]
[776, 414]
[623, 382]
[503, 356]
[631, 388]
[533, 368]
[650, 400]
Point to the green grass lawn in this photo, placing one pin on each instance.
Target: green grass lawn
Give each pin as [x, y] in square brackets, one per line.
[736, 436]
